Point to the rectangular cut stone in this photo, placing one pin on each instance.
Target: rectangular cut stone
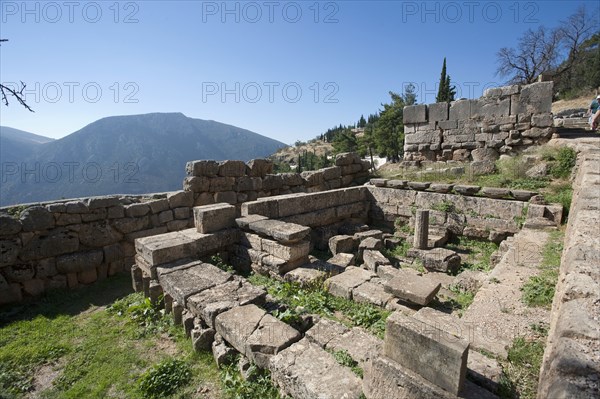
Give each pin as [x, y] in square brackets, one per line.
[270, 337]
[411, 287]
[438, 112]
[209, 303]
[415, 114]
[280, 231]
[343, 284]
[238, 324]
[183, 283]
[417, 346]
[244, 222]
[286, 252]
[164, 248]
[212, 218]
[305, 370]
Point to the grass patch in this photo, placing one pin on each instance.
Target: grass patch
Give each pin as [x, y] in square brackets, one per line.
[257, 384]
[165, 378]
[398, 251]
[561, 160]
[475, 254]
[523, 368]
[344, 359]
[315, 299]
[539, 290]
[101, 340]
[461, 301]
[560, 193]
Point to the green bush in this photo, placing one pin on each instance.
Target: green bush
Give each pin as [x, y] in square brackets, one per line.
[257, 384]
[165, 378]
[562, 161]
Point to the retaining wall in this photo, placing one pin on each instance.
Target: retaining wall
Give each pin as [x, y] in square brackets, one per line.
[66, 243]
[505, 120]
[571, 365]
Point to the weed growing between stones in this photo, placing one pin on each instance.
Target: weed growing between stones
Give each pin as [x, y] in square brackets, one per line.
[315, 299]
[344, 359]
[539, 290]
[256, 385]
[561, 160]
[461, 301]
[560, 193]
[523, 368]
[475, 254]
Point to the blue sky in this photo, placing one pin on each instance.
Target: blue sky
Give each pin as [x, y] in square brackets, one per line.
[287, 70]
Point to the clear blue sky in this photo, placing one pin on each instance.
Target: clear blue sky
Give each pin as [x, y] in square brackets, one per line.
[243, 63]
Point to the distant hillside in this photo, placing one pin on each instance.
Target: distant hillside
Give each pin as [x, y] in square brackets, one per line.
[290, 154]
[129, 155]
[16, 145]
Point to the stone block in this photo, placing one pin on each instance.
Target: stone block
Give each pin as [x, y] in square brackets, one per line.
[79, 261]
[373, 293]
[305, 370]
[535, 98]
[374, 259]
[286, 233]
[59, 241]
[202, 168]
[343, 260]
[164, 248]
[343, 284]
[347, 158]
[232, 168]
[438, 259]
[191, 279]
[9, 225]
[269, 338]
[413, 288]
[416, 346]
[460, 110]
[415, 114]
[341, 243]
[438, 112]
[212, 218]
[238, 324]
[260, 167]
[196, 184]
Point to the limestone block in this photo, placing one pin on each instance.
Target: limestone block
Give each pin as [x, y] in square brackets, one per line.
[343, 284]
[373, 259]
[341, 243]
[535, 98]
[79, 261]
[347, 158]
[36, 218]
[232, 168]
[373, 293]
[9, 225]
[305, 370]
[332, 172]
[343, 260]
[418, 347]
[202, 168]
[197, 184]
[238, 324]
[260, 167]
[191, 279]
[438, 112]
[415, 114]
[59, 241]
[412, 288]
[212, 218]
[286, 233]
[269, 338]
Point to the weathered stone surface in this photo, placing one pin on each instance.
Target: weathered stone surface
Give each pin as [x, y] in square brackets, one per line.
[370, 243]
[244, 222]
[270, 337]
[238, 324]
[286, 233]
[9, 250]
[202, 338]
[313, 177]
[9, 292]
[59, 241]
[36, 218]
[347, 158]
[179, 199]
[165, 248]
[197, 184]
[361, 235]
[535, 98]
[441, 187]
[396, 183]
[342, 260]
[417, 185]
[466, 190]
[438, 259]
[304, 370]
[482, 167]
[212, 218]
[222, 353]
[19, 273]
[9, 225]
[484, 154]
[79, 261]
[324, 331]
[202, 168]
[137, 210]
[341, 243]
[232, 168]
[495, 192]
[213, 301]
[373, 259]
[415, 114]
[438, 112]
[417, 346]
[343, 284]
[373, 293]
[379, 182]
[304, 275]
[260, 167]
[332, 172]
[386, 379]
[484, 371]
[186, 281]
[412, 288]
[290, 252]
[522, 195]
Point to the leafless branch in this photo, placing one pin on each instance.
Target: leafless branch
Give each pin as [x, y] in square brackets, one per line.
[15, 92]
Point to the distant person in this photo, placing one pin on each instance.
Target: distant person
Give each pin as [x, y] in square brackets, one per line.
[594, 112]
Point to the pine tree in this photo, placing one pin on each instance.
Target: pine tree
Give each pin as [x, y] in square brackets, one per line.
[362, 122]
[442, 96]
[450, 90]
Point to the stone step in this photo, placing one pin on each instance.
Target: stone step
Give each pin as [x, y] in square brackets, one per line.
[343, 284]
[307, 371]
[286, 233]
[410, 287]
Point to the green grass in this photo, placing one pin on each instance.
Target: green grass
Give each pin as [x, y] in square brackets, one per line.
[539, 289]
[257, 384]
[315, 299]
[560, 193]
[398, 251]
[475, 254]
[97, 350]
[522, 368]
[561, 160]
[344, 359]
[461, 301]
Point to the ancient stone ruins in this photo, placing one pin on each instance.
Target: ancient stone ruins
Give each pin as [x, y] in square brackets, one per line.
[269, 224]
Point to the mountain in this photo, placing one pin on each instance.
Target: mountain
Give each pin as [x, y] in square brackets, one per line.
[133, 154]
[16, 145]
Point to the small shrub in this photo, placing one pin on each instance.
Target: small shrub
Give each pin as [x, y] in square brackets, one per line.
[344, 359]
[217, 261]
[165, 378]
[257, 385]
[562, 161]
[445, 206]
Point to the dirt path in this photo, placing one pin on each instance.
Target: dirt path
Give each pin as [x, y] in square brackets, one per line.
[497, 311]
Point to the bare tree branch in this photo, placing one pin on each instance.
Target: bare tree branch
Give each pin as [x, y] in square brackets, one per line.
[15, 92]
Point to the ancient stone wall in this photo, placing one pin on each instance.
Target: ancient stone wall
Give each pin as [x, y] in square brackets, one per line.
[505, 120]
[571, 366]
[66, 243]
